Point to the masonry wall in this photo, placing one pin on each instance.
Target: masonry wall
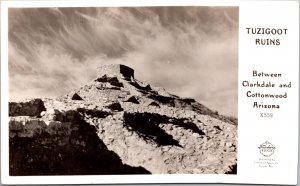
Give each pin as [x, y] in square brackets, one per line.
[116, 70]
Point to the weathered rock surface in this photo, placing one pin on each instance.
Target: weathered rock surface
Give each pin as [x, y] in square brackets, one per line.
[119, 126]
[29, 108]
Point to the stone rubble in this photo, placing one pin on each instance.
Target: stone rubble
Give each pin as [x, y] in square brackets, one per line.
[146, 129]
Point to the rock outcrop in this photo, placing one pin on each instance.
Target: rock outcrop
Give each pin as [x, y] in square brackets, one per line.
[118, 125]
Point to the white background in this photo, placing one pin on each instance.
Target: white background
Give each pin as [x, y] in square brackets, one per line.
[281, 130]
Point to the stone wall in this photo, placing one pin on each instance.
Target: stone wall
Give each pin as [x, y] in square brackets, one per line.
[30, 108]
[61, 148]
[117, 70]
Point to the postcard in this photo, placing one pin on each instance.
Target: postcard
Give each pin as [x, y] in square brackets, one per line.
[120, 92]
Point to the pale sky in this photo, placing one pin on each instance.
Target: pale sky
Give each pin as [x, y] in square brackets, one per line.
[190, 51]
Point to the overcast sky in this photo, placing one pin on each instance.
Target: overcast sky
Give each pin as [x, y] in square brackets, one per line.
[190, 51]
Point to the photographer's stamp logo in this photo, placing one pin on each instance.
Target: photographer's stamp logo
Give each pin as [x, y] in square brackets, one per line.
[267, 149]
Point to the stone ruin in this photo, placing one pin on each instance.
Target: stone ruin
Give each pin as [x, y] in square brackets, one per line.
[153, 132]
[31, 108]
[117, 70]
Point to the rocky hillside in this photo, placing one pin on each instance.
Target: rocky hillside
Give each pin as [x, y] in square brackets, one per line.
[116, 124]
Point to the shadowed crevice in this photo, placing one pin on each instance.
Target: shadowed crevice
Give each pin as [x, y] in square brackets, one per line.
[147, 128]
[163, 99]
[111, 80]
[94, 112]
[146, 125]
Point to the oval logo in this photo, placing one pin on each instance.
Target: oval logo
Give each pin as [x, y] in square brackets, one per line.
[266, 149]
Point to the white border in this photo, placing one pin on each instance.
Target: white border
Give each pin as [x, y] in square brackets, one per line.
[110, 179]
[118, 3]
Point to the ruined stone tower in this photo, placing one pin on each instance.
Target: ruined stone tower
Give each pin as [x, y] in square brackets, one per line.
[117, 70]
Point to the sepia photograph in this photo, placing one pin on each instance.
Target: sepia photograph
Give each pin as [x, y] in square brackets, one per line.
[123, 90]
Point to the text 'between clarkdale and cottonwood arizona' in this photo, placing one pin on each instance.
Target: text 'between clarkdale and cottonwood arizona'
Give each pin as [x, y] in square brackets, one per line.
[272, 34]
[260, 89]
